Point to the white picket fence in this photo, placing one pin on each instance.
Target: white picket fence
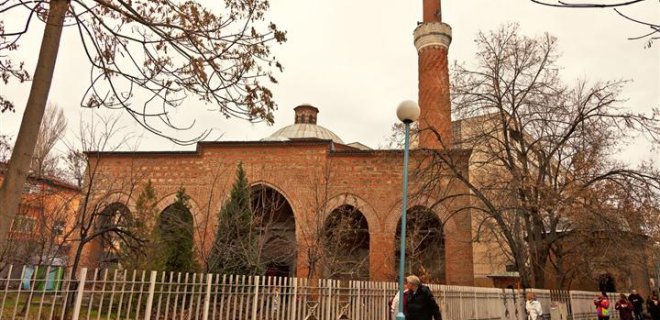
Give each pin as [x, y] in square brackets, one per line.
[48, 293]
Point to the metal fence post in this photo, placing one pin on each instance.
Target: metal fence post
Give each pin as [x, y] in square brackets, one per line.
[255, 302]
[207, 298]
[294, 304]
[79, 294]
[150, 295]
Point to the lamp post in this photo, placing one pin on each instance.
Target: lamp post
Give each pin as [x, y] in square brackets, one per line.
[407, 112]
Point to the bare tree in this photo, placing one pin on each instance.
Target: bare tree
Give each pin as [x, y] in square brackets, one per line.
[103, 218]
[425, 253]
[163, 51]
[8, 68]
[38, 231]
[649, 37]
[5, 148]
[336, 239]
[541, 149]
[209, 219]
[76, 163]
[344, 242]
[51, 131]
[145, 220]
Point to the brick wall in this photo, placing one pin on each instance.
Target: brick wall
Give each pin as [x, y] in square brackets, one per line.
[311, 177]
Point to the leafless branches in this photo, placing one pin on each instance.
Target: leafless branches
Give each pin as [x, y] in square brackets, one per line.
[147, 57]
[541, 150]
[5, 148]
[103, 218]
[165, 51]
[53, 127]
[654, 34]
[8, 68]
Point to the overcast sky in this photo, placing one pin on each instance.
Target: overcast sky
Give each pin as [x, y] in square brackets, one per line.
[355, 61]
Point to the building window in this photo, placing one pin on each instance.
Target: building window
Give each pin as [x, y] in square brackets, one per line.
[58, 227]
[23, 224]
[30, 187]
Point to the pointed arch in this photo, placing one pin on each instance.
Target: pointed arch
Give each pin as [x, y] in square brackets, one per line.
[357, 202]
[275, 221]
[114, 216]
[425, 245]
[346, 241]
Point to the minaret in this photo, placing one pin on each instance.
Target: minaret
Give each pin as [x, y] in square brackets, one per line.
[432, 39]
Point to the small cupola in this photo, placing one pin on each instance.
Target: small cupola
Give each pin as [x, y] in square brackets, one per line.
[305, 127]
[306, 114]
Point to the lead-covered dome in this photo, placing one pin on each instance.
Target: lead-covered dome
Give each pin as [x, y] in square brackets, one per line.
[304, 127]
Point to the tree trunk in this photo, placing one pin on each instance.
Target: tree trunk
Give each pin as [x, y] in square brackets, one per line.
[19, 164]
[539, 275]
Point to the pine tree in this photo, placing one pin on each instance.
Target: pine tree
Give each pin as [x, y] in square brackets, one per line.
[146, 215]
[234, 247]
[175, 232]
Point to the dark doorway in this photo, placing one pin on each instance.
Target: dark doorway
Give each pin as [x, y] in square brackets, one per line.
[425, 248]
[276, 226]
[114, 216]
[346, 244]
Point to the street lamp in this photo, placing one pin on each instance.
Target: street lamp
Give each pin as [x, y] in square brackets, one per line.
[407, 112]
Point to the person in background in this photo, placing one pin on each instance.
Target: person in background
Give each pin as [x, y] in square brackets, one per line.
[420, 304]
[638, 304]
[533, 307]
[625, 308]
[653, 306]
[394, 303]
[602, 304]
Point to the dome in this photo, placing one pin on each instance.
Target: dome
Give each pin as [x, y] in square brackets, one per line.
[303, 131]
[305, 127]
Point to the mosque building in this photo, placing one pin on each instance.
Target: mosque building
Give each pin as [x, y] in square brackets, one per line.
[319, 182]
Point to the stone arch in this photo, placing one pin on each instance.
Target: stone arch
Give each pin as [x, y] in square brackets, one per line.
[393, 219]
[114, 215]
[169, 199]
[425, 245]
[279, 190]
[275, 220]
[357, 202]
[345, 242]
[175, 227]
[118, 197]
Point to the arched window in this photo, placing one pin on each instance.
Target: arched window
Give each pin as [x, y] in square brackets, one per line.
[175, 237]
[346, 244]
[113, 220]
[276, 230]
[425, 249]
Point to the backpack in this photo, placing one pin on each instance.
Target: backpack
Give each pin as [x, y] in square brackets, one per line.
[602, 308]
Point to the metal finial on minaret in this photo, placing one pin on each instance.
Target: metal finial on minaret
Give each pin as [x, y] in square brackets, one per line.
[432, 39]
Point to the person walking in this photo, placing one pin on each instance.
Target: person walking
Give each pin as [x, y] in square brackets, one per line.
[394, 303]
[625, 308]
[533, 307]
[653, 306]
[602, 303]
[638, 304]
[421, 304]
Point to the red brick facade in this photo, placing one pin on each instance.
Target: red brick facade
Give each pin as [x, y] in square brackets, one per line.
[368, 180]
[317, 176]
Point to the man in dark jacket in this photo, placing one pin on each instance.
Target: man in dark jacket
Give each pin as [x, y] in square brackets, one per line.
[653, 306]
[421, 304]
[638, 304]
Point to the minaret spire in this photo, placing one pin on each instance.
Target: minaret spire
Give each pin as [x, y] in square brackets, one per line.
[432, 39]
[432, 9]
